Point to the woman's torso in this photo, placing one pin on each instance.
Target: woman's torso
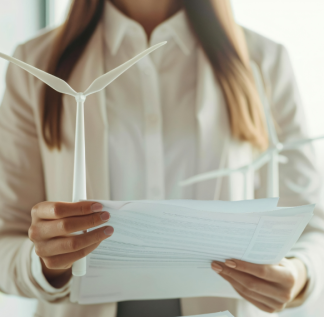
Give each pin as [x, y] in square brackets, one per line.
[187, 131]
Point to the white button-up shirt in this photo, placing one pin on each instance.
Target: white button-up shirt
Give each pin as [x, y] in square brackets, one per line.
[151, 109]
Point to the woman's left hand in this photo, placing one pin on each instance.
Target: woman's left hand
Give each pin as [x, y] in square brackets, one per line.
[269, 287]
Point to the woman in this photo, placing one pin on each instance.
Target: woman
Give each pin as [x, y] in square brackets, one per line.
[191, 107]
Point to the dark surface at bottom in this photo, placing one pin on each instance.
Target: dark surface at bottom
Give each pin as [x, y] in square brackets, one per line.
[149, 308]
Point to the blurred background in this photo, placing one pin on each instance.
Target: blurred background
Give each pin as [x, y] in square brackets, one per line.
[298, 24]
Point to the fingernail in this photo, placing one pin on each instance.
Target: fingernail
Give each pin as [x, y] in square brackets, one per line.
[109, 231]
[96, 207]
[230, 264]
[217, 267]
[105, 216]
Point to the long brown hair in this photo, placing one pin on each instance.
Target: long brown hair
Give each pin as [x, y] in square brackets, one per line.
[221, 39]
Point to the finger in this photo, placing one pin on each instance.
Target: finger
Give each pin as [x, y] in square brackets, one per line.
[72, 243]
[49, 229]
[253, 283]
[272, 273]
[268, 302]
[65, 261]
[58, 210]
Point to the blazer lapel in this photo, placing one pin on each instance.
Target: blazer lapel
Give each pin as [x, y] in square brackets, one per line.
[89, 67]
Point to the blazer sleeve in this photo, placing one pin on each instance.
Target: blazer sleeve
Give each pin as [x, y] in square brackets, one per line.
[300, 182]
[21, 183]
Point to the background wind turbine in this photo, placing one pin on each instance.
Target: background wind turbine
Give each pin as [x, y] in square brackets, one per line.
[259, 162]
[79, 173]
[271, 155]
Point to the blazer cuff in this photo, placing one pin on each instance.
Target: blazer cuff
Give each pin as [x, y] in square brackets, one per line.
[310, 286]
[37, 273]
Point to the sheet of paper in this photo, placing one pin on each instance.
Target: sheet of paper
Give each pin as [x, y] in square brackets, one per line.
[164, 249]
[244, 206]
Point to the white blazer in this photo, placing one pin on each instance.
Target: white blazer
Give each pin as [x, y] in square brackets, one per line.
[31, 173]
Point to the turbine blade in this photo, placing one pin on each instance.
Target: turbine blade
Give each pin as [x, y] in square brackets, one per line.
[263, 159]
[209, 175]
[296, 144]
[283, 159]
[52, 81]
[255, 165]
[104, 80]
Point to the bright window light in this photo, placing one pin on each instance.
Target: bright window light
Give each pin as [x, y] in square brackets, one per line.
[19, 21]
[57, 11]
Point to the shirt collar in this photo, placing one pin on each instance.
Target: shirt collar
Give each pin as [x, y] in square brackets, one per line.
[178, 26]
[117, 24]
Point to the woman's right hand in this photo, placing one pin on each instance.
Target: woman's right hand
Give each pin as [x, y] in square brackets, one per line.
[52, 224]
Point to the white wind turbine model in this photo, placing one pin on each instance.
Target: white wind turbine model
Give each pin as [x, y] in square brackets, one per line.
[79, 173]
[271, 155]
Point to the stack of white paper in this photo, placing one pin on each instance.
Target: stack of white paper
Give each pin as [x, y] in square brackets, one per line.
[164, 249]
